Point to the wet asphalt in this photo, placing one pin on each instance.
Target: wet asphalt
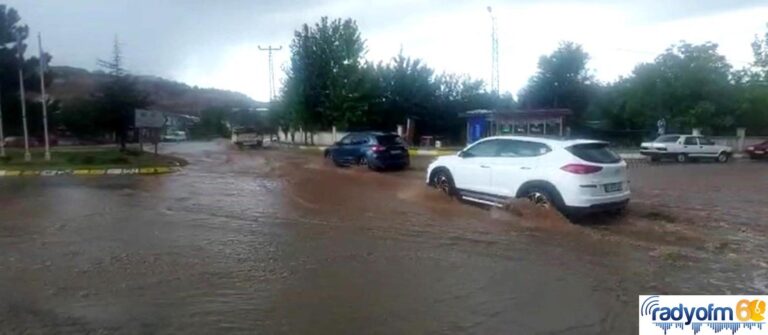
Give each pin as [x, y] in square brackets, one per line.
[280, 241]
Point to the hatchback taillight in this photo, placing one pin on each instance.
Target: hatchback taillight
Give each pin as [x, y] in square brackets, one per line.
[581, 168]
[378, 148]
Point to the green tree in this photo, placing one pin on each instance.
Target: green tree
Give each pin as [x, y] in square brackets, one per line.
[760, 52]
[212, 124]
[323, 82]
[119, 97]
[688, 85]
[562, 81]
[11, 32]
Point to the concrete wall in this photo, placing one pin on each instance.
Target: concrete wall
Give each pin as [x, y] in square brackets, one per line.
[323, 138]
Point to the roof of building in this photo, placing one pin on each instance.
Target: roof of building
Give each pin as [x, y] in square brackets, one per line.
[522, 113]
[551, 141]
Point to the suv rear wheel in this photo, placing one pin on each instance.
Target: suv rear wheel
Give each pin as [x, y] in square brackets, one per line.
[540, 197]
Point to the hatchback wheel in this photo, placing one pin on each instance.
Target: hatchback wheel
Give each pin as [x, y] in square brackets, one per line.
[681, 158]
[722, 158]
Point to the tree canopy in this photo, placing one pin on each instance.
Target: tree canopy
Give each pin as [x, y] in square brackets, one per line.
[562, 81]
[329, 83]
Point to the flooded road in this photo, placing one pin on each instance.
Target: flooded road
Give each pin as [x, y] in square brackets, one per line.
[279, 241]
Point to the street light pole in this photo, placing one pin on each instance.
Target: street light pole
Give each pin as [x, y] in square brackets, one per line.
[43, 98]
[27, 155]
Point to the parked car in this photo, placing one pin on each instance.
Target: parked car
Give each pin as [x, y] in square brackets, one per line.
[376, 150]
[685, 147]
[18, 142]
[573, 176]
[758, 151]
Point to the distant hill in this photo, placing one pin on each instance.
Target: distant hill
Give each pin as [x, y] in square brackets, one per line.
[166, 95]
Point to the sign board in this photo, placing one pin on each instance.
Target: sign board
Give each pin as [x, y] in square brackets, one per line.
[149, 119]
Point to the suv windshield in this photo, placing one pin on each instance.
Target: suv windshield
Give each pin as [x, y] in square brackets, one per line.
[667, 139]
[594, 153]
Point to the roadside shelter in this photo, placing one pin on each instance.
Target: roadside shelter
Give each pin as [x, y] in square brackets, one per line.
[483, 123]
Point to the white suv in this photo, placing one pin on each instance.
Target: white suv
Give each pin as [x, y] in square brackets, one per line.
[574, 176]
[683, 147]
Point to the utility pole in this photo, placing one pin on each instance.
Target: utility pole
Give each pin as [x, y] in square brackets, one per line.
[494, 53]
[27, 155]
[2, 138]
[43, 98]
[272, 89]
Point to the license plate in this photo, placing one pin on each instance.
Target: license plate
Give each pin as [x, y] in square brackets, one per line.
[612, 187]
[396, 152]
[759, 152]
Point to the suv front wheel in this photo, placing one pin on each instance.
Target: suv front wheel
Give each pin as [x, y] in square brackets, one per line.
[443, 181]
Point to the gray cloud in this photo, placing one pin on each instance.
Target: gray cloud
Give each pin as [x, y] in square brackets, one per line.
[160, 37]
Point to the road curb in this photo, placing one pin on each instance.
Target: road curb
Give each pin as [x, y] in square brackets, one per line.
[145, 171]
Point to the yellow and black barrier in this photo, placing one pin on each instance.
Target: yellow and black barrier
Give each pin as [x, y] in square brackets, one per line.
[89, 172]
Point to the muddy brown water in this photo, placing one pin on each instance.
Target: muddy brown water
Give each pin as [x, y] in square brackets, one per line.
[279, 241]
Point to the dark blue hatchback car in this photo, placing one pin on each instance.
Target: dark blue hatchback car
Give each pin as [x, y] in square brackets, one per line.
[376, 150]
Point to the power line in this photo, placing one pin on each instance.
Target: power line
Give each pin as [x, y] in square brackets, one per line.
[272, 89]
[494, 53]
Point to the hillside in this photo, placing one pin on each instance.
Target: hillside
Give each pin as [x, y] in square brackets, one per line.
[166, 95]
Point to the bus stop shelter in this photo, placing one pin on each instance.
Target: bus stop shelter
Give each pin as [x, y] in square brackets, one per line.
[483, 123]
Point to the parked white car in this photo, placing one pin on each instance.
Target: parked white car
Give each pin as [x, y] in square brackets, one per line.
[684, 147]
[574, 176]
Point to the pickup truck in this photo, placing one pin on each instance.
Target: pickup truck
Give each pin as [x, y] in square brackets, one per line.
[685, 147]
[247, 138]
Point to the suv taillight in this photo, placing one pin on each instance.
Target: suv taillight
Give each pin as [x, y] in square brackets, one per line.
[581, 168]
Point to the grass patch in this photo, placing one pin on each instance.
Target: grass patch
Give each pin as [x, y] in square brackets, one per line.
[109, 158]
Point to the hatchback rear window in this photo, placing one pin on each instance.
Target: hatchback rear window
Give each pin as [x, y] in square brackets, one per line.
[390, 140]
[594, 153]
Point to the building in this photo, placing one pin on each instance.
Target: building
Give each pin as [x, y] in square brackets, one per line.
[533, 122]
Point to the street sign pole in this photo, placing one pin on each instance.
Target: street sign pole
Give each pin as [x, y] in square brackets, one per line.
[44, 98]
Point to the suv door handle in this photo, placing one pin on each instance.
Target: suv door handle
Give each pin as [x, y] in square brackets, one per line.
[484, 166]
[524, 168]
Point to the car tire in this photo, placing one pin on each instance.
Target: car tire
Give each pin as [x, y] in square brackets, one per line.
[540, 197]
[655, 159]
[722, 157]
[681, 158]
[443, 181]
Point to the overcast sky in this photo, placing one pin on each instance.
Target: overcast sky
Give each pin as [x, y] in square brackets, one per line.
[214, 43]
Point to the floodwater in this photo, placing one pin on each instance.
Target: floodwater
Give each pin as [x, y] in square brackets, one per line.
[278, 241]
